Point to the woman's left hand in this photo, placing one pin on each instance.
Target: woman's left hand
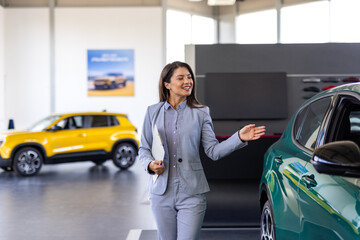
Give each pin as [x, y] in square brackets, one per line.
[250, 132]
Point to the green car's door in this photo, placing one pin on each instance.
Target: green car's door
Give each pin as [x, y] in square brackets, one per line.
[305, 132]
[290, 156]
[330, 205]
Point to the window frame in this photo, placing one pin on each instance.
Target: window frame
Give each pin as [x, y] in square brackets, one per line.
[344, 99]
[324, 123]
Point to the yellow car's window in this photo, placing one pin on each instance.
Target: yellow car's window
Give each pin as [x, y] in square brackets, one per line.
[44, 123]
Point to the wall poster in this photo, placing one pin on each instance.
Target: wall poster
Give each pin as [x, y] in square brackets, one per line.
[110, 72]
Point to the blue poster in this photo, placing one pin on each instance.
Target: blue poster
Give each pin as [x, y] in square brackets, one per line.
[110, 72]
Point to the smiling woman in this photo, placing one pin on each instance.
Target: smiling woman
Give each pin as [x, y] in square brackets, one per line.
[177, 192]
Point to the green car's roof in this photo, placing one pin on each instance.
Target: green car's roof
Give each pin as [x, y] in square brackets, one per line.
[352, 87]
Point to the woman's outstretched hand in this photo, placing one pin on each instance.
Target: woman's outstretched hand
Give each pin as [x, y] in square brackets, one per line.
[250, 132]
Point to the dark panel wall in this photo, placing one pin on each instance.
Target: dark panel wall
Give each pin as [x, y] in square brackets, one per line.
[325, 58]
[299, 61]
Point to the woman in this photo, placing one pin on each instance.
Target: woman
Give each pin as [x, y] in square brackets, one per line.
[177, 195]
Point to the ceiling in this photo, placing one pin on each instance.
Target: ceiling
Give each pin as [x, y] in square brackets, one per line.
[87, 3]
[82, 3]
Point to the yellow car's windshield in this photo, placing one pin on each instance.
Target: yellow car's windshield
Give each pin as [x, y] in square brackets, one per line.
[44, 123]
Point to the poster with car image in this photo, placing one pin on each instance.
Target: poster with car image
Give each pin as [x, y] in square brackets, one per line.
[110, 72]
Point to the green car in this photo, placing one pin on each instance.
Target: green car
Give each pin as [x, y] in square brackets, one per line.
[310, 185]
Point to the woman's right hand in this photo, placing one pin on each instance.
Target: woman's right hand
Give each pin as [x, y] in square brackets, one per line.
[157, 166]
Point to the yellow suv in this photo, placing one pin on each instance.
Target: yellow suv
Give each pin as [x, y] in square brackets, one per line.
[94, 136]
[111, 81]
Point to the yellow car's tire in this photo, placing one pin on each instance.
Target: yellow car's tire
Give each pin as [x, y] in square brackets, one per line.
[27, 161]
[124, 155]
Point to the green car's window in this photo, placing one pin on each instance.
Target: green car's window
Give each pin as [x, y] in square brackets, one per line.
[348, 126]
[308, 125]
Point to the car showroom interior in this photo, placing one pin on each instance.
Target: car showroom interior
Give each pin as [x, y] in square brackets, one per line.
[261, 99]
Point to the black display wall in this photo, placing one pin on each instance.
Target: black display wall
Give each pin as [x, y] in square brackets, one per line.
[309, 68]
[327, 61]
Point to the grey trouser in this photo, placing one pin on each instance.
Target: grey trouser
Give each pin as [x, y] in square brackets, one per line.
[178, 215]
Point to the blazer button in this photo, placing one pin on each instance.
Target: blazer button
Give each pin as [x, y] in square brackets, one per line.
[180, 160]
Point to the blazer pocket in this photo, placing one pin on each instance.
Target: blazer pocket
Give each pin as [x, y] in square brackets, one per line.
[196, 166]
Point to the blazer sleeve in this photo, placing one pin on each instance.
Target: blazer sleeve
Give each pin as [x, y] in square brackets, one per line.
[145, 155]
[212, 147]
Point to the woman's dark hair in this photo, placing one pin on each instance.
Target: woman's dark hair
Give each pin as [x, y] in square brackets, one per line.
[166, 75]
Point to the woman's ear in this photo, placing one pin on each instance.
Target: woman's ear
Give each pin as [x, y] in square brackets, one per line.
[167, 85]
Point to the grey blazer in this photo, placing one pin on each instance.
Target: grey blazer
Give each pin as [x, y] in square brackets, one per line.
[196, 128]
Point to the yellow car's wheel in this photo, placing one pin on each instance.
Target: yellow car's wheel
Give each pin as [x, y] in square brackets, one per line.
[124, 155]
[27, 161]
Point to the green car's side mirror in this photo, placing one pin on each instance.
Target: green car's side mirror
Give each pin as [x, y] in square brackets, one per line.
[340, 158]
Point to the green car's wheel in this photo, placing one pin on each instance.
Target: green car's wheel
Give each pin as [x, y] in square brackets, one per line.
[267, 223]
[124, 155]
[27, 161]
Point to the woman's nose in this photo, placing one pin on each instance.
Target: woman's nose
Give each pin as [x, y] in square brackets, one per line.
[187, 80]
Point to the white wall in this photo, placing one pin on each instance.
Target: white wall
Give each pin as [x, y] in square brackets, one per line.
[26, 65]
[80, 29]
[27, 59]
[2, 74]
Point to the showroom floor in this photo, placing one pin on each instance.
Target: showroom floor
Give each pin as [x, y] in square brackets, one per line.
[83, 201]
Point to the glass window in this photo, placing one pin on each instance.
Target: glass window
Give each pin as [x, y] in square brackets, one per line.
[347, 122]
[78, 121]
[183, 28]
[113, 121]
[355, 122]
[345, 22]
[98, 121]
[44, 123]
[306, 23]
[257, 27]
[70, 123]
[202, 30]
[309, 127]
[178, 33]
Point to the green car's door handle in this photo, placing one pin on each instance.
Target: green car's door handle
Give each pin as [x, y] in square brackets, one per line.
[309, 180]
[278, 160]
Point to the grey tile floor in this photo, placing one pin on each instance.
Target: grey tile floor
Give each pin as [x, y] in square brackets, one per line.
[214, 234]
[82, 201]
[74, 201]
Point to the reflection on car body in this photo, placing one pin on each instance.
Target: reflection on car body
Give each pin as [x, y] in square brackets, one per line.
[95, 136]
[309, 188]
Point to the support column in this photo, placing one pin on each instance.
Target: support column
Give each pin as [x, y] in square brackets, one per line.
[52, 54]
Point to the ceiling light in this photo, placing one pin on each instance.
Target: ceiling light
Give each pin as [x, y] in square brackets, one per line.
[220, 2]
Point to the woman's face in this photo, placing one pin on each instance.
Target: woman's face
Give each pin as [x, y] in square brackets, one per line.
[181, 83]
